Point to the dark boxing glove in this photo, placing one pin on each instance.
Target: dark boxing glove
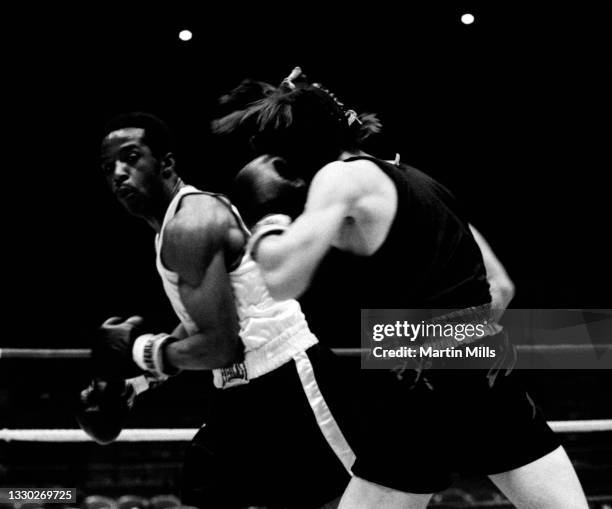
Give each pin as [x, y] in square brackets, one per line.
[112, 349]
[103, 407]
[264, 186]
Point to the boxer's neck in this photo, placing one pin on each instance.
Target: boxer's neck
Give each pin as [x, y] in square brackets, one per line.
[156, 218]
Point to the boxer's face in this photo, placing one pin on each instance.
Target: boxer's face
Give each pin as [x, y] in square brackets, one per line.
[131, 170]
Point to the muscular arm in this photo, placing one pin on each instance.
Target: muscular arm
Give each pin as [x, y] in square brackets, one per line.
[288, 261]
[338, 194]
[501, 286]
[194, 247]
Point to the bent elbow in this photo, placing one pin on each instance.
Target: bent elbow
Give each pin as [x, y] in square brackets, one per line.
[216, 354]
[283, 287]
[224, 358]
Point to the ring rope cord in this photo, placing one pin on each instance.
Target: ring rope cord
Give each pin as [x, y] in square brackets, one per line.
[85, 353]
[186, 434]
[78, 435]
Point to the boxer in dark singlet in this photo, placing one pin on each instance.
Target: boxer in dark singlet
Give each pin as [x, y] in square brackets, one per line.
[375, 234]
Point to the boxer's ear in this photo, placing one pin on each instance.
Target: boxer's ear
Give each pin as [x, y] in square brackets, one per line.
[167, 165]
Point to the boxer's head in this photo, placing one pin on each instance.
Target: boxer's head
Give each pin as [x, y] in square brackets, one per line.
[137, 161]
[301, 122]
[265, 186]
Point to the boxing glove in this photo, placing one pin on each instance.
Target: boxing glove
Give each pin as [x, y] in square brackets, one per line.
[112, 348]
[103, 407]
[265, 186]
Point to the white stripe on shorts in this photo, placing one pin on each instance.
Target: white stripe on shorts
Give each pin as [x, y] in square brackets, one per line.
[327, 424]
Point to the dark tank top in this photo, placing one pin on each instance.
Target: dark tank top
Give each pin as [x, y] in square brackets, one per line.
[429, 260]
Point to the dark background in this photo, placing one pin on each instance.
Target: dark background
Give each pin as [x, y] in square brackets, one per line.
[511, 112]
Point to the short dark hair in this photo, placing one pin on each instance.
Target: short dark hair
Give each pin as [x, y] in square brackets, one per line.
[157, 136]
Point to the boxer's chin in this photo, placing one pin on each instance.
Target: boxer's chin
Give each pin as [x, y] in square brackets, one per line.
[133, 204]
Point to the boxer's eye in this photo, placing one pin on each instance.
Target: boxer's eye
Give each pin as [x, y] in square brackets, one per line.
[132, 158]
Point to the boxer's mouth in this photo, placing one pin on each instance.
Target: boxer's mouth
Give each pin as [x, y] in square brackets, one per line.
[124, 192]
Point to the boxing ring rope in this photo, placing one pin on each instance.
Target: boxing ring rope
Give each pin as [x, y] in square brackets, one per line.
[78, 435]
[186, 434]
[85, 353]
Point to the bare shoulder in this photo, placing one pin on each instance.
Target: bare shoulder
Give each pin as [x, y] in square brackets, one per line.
[350, 180]
[195, 235]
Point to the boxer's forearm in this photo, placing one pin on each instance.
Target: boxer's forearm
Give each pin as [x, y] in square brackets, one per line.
[289, 261]
[203, 351]
[206, 293]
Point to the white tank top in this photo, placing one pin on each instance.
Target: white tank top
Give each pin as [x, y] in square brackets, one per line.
[272, 332]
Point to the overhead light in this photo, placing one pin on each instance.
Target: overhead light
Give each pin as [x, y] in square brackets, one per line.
[185, 35]
[467, 19]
